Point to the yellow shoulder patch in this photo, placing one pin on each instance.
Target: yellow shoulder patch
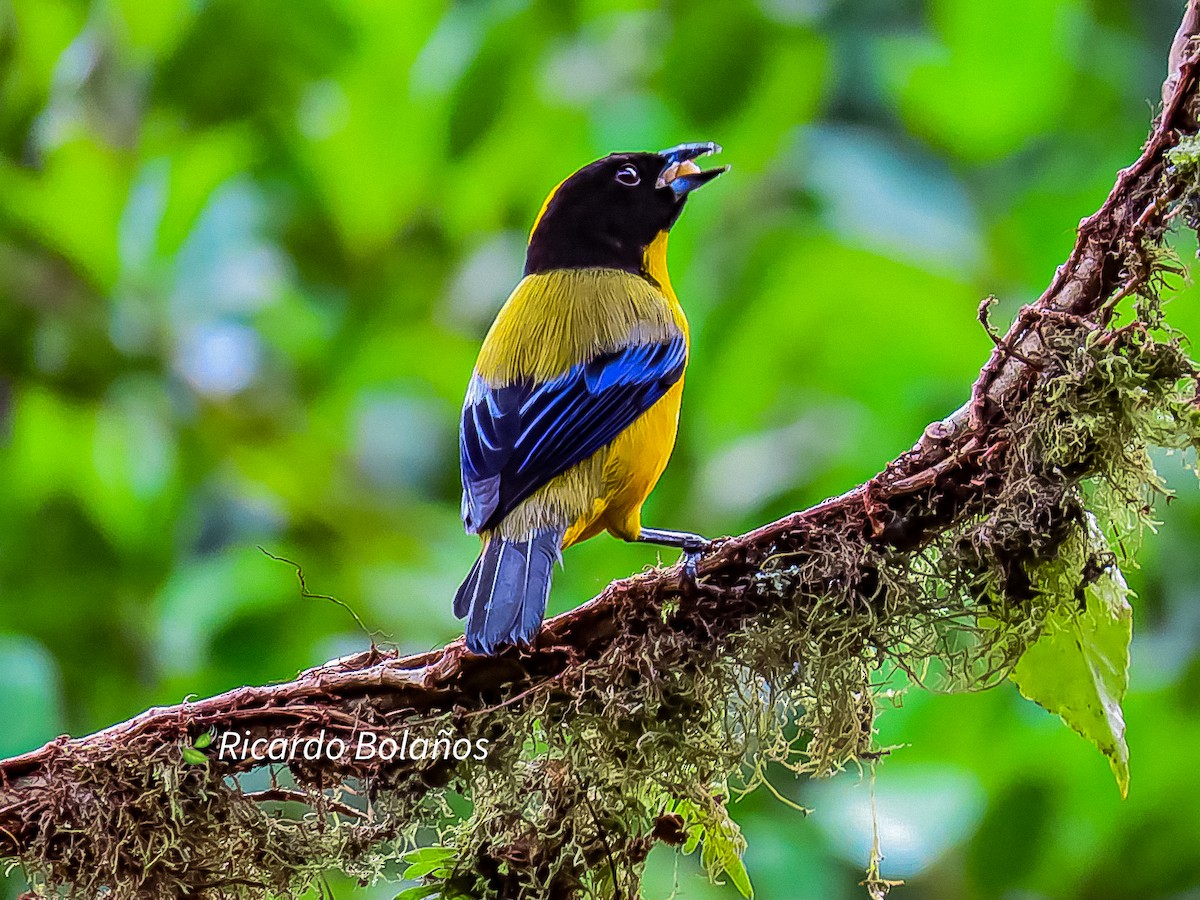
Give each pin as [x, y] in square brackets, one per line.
[545, 203]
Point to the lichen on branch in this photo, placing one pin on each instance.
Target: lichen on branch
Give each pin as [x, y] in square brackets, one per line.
[638, 716]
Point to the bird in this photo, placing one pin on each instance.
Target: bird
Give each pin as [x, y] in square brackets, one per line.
[572, 409]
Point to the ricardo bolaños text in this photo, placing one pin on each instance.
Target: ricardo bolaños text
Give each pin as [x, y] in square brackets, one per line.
[363, 746]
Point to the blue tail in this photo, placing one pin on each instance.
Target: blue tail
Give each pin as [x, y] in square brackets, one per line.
[504, 597]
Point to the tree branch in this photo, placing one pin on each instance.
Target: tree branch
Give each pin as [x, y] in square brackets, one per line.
[955, 468]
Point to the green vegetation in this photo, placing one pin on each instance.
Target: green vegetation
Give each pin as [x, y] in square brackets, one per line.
[247, 252]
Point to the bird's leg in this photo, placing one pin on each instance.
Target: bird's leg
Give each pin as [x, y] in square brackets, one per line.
[692, 545]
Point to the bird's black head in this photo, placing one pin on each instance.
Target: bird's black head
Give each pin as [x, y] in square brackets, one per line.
[607, 213]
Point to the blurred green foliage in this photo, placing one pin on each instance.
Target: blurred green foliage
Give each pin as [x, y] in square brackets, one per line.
[248, 249]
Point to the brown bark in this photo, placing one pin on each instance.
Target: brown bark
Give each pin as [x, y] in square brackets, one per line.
[951, 469]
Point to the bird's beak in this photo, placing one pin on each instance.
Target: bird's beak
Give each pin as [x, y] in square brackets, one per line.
[681, 174]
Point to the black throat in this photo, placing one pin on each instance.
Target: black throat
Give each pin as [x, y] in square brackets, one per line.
[570, 237]
[560, 250]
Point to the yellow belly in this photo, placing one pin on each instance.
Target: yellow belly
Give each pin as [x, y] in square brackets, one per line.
[633, 464]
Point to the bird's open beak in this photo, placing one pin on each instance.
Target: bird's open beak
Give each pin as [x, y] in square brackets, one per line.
[681, 174]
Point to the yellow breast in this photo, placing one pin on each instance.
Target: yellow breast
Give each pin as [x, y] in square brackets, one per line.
[654, 263]
[637, 458]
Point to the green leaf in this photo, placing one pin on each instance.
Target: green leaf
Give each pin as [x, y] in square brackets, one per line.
[426, 861]
[444, 854]
[1079, 669]
[420, 870]
[420, 892]
[722, 847]
[194, 757]
[203, 741]
[736, 870]
[692, 828]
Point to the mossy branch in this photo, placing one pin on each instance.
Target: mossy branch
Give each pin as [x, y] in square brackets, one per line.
[630, 719]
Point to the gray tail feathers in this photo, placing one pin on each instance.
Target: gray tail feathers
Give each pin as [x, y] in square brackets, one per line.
[504, 596]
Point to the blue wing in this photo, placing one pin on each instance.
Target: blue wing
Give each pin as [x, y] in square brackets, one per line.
[514, 439]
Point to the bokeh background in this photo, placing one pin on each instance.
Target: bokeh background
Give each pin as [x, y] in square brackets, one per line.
[248, 249]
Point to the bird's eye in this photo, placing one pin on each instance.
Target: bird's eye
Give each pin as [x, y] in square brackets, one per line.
[628, 176]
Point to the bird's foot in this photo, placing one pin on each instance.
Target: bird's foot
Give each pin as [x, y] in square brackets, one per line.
[693, 551]
[693, 546]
